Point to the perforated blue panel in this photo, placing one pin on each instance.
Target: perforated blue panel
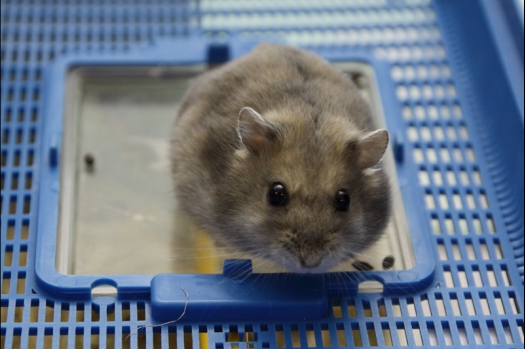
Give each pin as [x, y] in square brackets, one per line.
[463, 116]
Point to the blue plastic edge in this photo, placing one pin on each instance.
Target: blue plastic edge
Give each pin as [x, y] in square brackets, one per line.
[498, 115]
[173, 52]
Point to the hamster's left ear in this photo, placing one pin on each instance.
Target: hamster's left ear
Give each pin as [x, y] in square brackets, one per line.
[371, 148]
[255, 132]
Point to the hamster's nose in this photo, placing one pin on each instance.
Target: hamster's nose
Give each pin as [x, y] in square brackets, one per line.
[309, 262]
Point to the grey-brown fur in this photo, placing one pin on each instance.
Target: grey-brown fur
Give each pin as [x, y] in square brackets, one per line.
[318, 120]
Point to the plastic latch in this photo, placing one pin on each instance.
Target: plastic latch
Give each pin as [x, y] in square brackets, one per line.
[53, 151]
[238, 296]
[399, 147]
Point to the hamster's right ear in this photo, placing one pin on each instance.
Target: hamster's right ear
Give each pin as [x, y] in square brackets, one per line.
[254, 131]
[372, 147]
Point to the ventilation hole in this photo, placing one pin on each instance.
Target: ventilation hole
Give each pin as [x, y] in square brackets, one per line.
[498, 250]
[425, 134]
[484, 201]
[449, 280]
[126, 340]
[463, 226]
[27, 205]
[429, 199]
[352, 310]
[14, 182]
[431, 155]
[372, 335]
[12, 205]
[421, 115]
[456, 251]
[507, 332]
[438, 133]
[407, 113]
[337, 311]
[411, 308]
[477, 333]
[188, 338]
[436, 226]
[367, 311]
[425, 305]
[411, 133]
[10, 235]
[402, 93]
[341, 336]
[491, 226]
[415, 92]
[484, 251]
[387, 335]
[8, 256]
[476, 275]
[458, 155]
[296, 341]
[172, 337]
[310, 336]
[449, 224]
[64, 312]
[445, 155]
[442, 251]
[79, 314]
[6, 283]
[95, 339]
[451, 177]
[499, 305]
[458, 204]
[492, 278]
[477, 177]
[24, 234]
[356, 335]
[279, 337]
[50, 311]
[440, 304]
[416, 335]
[396, 308]
[443, 201]
[19, 312]
[325, 335]
[22, 256]
[471, 254]
[470, 305]
[492, 333]
[506, 277]
[424, 178]
[30, 158]
[418, 155]
[432, 336]
[456, 310]
[401, 334]
[438, 178]
[464, 178]
[471, 202]
[463, 281]
[28, 183]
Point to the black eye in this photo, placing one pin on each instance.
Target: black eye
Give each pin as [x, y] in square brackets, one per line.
[342, 200]
[277, 195]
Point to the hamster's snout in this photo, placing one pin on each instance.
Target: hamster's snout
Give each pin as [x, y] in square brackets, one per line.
[309, 262]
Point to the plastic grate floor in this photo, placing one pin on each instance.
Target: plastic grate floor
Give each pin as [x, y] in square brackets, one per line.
[476, 299]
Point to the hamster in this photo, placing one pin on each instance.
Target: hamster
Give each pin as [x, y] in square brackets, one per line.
[275, 155]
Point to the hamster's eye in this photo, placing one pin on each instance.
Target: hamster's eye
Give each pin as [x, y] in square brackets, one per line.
[277, 195]
[342, 200]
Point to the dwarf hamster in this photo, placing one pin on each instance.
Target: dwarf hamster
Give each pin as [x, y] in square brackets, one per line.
[275, 154]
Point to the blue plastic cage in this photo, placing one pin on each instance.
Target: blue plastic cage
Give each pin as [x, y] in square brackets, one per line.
[450, 74]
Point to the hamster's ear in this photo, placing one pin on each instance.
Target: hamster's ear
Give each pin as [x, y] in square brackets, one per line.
[371, 148]
[254, 131]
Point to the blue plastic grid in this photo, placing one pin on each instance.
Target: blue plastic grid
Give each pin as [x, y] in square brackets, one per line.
[471, 180]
